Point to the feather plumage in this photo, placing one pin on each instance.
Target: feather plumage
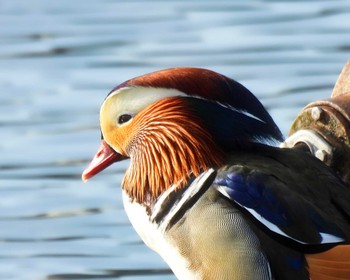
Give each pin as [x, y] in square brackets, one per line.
[333, 264]
[215, 198]
[171, 144]
[208, 85]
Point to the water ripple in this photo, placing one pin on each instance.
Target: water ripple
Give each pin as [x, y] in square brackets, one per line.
[59, 59]
[112, 274]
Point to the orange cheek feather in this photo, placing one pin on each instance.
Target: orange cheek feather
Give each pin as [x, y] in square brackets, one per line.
[119, 138]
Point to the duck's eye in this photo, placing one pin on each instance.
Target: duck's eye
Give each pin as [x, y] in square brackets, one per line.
[124, 118]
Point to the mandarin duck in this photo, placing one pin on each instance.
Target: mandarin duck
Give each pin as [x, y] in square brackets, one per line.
[208, 187]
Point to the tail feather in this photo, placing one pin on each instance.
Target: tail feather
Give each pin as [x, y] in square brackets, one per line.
[333, 264]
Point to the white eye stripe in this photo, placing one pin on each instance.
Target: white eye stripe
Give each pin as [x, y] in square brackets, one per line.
[117, 92]
[146, 93]
[250, 115]
[134, 99]
[131, 100]
[240, 111]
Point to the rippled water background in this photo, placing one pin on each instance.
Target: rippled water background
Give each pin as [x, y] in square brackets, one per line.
[58, 60]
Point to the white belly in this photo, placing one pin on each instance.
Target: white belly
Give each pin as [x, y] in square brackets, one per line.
[153, 236]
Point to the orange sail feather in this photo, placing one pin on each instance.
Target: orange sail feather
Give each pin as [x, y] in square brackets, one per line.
[333, 264]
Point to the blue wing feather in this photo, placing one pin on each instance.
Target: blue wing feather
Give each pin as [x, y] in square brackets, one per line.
[274, 205]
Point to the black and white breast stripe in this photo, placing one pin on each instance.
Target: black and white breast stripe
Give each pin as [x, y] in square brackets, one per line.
[173, 204]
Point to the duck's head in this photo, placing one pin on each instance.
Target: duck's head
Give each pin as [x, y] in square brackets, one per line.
[175, 123]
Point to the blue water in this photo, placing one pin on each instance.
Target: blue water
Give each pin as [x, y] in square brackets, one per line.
[59, 59]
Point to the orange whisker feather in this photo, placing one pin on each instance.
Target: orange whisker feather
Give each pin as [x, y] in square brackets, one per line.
[169, 145]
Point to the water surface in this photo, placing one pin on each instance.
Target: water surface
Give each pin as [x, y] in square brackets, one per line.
[58, 60]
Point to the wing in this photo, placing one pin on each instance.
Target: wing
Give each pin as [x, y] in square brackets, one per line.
[275, 205]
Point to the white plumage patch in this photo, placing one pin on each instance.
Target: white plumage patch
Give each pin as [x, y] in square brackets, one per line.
[153, 236]
[132, 100]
